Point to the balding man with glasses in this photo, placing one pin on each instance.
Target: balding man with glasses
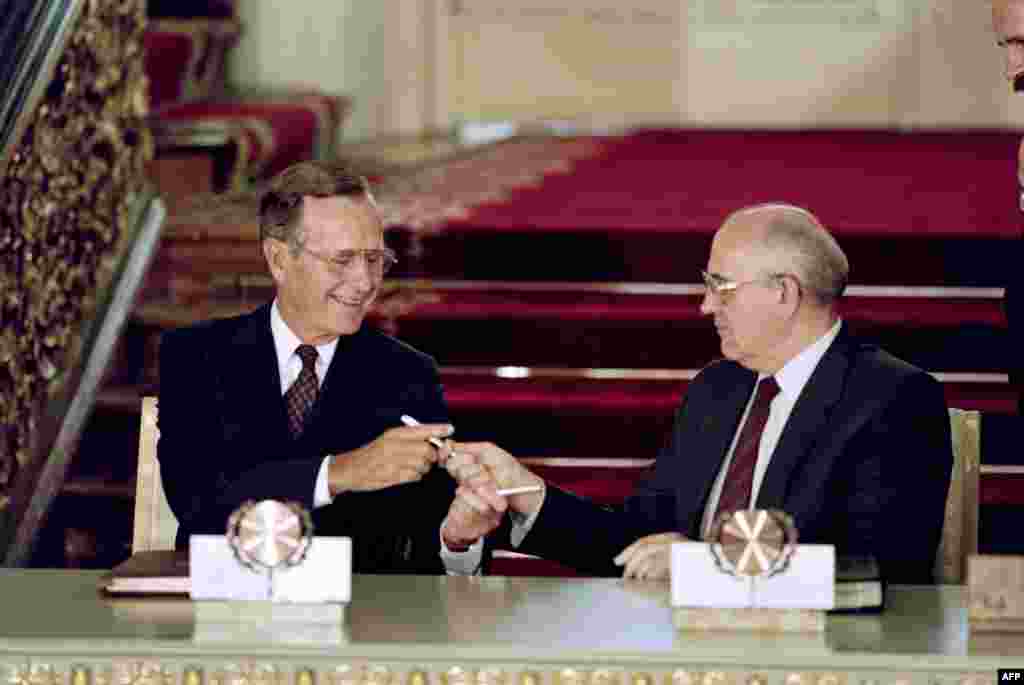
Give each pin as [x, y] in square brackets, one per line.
[853, 443]
[300, 401]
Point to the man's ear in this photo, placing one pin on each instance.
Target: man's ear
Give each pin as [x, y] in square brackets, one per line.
[791, 290]
[275, 252]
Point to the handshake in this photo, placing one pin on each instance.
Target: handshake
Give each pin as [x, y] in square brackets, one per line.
[482, 469]
[486, 474]
[490, 481]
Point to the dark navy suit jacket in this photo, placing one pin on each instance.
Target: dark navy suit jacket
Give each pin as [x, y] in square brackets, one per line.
[863, 463]
[224, 437]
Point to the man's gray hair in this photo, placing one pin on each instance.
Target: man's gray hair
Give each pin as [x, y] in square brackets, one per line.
[813, 253]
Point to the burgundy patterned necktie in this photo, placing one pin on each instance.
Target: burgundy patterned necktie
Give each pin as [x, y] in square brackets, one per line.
[302, 395]
[739, 479]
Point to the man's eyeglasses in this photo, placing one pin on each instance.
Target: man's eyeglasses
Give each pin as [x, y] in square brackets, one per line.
[723, 287]
[343, 263]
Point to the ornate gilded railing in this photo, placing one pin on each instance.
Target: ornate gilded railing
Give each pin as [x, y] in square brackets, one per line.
[78, 227]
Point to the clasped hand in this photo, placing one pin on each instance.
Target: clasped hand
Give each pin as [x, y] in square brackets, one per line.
[481, 468]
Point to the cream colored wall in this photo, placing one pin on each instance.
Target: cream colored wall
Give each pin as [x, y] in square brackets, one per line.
[785, 63]
[336, 45]
[799, 68]
[415, 64]
[564, 60]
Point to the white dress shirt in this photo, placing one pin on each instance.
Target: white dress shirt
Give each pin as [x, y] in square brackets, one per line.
[289, 365]
[791, 379]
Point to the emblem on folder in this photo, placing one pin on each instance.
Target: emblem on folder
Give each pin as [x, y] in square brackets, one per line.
[752, 542]
[270, 534]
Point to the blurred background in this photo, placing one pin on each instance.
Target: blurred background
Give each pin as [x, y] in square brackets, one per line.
[552, 174]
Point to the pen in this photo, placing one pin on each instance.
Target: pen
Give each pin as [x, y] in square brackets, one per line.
[505, 492]
[410, 421]
[436, 442]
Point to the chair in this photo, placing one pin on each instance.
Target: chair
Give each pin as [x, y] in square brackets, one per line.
[960, 528]
[155, 525]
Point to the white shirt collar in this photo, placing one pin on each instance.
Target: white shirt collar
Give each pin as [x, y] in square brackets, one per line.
[286, 342]
[793, 376]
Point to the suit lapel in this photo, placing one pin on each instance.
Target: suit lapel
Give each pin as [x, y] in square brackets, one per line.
[251, 386]
[809, 417]
[716, 430]
[346, 383]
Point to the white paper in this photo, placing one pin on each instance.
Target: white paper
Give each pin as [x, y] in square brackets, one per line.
[325, 575]
[808, 582]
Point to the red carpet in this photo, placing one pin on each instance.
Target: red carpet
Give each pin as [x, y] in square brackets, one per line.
[873, 183]
[643, 207]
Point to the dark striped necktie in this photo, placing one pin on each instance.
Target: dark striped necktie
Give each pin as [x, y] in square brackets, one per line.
[301, 397]
[740, 478]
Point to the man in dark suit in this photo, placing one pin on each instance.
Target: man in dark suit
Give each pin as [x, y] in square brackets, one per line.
[853, 443]
[300, 401]
[1008, 24]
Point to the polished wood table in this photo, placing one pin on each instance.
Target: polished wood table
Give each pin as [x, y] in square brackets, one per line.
[56, 628]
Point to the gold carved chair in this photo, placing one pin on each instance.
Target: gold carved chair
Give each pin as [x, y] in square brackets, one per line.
[155, 525]
[960, 528]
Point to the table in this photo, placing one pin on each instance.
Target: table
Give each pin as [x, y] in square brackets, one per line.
[57, 629]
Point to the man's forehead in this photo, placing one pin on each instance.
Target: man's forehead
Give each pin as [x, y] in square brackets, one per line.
[340, 215]
[737, 247]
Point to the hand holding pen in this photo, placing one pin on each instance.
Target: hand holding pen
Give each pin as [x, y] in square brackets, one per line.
[445, 452]
[398, 455]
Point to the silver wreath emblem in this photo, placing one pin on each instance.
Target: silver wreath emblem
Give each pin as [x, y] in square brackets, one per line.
[753, 542]
[270, 534]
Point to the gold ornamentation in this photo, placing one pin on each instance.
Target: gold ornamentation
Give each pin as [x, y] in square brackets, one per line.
[757, 679]
[65, 205]
[490, 676]
[343, 675]
[830, 679]
[530, 678]
[681, 676]
[570, 676]
[376, 675]
[715, 678]
[36, 674]
[604, 677]
[305, 676]
[141, 673]
[417, 678]
[248, 674]
[192, 675]
[641, 679]
[80, 675]
[456, 676]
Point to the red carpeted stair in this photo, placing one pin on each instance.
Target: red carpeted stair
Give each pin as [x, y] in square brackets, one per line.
[644, 206]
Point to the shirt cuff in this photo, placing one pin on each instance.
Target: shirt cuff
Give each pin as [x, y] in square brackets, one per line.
[465, 563]
[322, 493]
[521, 524]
